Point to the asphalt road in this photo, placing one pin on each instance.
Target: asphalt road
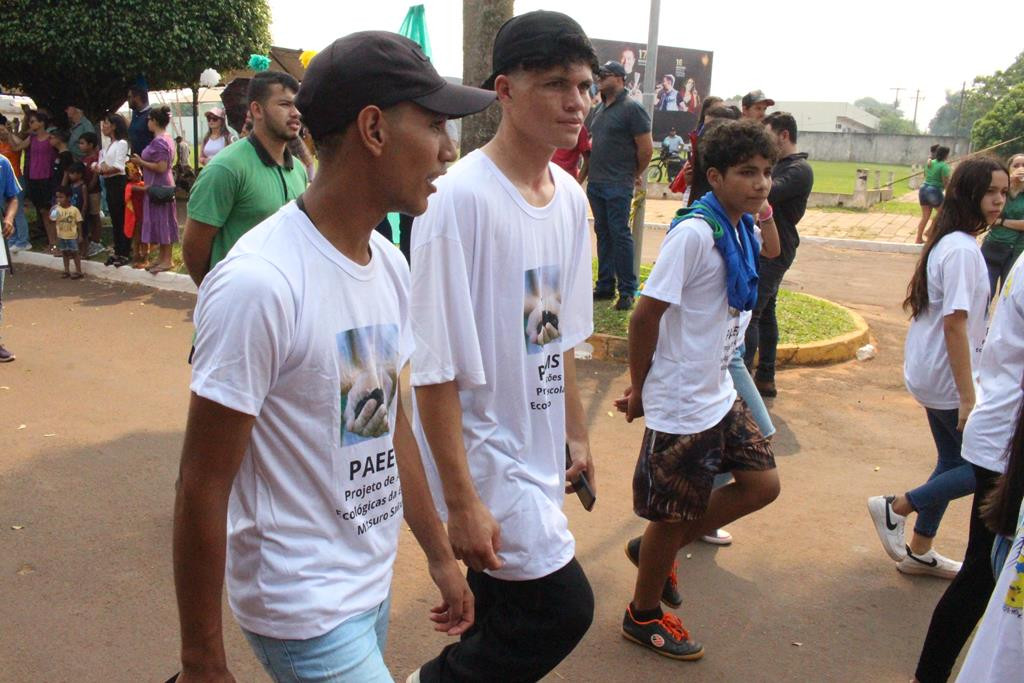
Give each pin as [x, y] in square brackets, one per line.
[91, 418]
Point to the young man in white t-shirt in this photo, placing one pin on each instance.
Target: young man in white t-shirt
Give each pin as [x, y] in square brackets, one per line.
[500, 297]
[681, 337]
[296, 435]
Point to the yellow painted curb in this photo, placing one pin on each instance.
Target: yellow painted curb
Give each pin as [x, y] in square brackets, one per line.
[835, 350]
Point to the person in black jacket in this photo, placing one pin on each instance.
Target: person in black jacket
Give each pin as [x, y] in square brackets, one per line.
[792, 179]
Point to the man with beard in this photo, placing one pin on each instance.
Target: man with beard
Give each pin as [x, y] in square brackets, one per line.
[247, 182]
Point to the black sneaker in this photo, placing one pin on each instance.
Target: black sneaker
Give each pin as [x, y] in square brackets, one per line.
[624, 303]
[670, 593]
[603, 296]
[666, 636]
[5, 355]
[766, 387]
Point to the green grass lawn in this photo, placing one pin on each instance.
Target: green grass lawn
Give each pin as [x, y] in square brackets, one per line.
[802, 318]
[840, 176]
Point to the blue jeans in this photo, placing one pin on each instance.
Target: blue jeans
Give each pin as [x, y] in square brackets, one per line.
[352, 651]
[20, 237]
[763, 332]
[953, 476]
[610, 204]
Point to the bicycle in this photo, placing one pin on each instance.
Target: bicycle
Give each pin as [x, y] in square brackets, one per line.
[664, 168]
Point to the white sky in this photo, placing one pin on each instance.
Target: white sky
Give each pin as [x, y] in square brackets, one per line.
[797, 50]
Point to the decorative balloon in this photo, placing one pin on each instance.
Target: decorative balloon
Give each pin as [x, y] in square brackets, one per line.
[209, 78]
[306, 56]
[259, 62]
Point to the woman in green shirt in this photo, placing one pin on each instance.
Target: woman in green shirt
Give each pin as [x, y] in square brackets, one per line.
[1005, 241]
[936, 175]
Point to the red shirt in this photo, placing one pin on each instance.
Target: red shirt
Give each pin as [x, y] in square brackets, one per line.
[89, 176]
[569, 159]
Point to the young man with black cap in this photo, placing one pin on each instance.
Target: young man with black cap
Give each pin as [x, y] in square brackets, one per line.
[501, 296]
[755, 104]
[298, 462]
[621, 149]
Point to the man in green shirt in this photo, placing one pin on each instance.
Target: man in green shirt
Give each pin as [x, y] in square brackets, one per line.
[77, 124]
[248, 181]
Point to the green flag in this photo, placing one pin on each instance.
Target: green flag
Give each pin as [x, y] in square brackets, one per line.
[414, 27]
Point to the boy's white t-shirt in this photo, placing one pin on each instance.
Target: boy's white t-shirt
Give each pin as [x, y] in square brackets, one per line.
[1000, 374]
[997, 652]
[688, 388]
[490, 274]
[957, 281]
[292, 332]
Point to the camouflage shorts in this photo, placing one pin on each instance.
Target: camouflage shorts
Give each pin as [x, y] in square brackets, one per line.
[674, 473]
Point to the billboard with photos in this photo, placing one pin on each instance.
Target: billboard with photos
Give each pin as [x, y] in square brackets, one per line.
[682, 81]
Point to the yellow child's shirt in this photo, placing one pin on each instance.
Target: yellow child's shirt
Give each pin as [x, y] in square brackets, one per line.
[67, 222]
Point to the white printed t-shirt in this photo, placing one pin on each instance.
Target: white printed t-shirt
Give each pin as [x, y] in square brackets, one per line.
[1000, 374]
[997, 651]
[957, 281]
[489, 272]
[689, 389]
[291, 331]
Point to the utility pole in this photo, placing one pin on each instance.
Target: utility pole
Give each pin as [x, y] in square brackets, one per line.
[650, 73]
[897, 102]
[917, 99]
[960, 114]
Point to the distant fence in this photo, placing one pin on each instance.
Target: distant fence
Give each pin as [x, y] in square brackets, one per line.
[902, 150]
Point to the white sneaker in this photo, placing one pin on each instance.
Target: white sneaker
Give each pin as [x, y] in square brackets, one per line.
[13, 248]
[889, 526]
[720, 537]
[930, 563]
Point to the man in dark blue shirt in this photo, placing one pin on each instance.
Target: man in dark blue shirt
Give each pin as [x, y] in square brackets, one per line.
[621, 148]
[139, 134]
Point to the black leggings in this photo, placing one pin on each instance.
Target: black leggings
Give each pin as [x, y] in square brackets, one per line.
[523, 629]
[115, 185]
[964, 601]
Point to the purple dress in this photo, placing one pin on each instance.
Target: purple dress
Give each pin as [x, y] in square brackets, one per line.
[160, 221]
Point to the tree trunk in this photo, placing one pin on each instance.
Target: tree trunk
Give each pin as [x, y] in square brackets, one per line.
[481, 20]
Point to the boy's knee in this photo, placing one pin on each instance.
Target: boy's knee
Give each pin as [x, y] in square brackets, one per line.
[769, 490]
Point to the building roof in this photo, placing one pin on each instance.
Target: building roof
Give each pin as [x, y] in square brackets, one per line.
[822, 116]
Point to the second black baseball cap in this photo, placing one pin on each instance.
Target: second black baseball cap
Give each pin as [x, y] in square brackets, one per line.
[534, 35]
[382, 69]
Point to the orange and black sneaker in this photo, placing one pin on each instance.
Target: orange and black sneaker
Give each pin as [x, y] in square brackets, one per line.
[670, 593]
[666, 636]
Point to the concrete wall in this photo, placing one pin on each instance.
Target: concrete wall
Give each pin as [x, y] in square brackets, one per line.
[875, 147]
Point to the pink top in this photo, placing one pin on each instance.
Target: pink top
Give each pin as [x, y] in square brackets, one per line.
[40, 159]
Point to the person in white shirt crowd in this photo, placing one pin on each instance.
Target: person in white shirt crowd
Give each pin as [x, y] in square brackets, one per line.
[299, 463]
[500, 298]
[111, 169]
[948, 300]
[987, 433]
[997, 652]
[218, 135]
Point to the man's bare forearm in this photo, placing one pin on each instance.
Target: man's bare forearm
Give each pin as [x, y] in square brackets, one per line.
[441, 415]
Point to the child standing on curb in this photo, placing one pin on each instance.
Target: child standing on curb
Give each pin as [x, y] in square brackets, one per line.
[69, 228]
[683, 333]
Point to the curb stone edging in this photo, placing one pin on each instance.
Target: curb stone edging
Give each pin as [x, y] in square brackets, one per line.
[835, 350]
[172, 282]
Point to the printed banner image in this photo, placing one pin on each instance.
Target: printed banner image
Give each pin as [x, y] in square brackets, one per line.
[368, 358]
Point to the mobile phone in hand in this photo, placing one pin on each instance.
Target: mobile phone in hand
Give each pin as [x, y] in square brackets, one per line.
[581, 486]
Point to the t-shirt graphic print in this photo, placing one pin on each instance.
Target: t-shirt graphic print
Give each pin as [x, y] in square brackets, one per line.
[369, 379]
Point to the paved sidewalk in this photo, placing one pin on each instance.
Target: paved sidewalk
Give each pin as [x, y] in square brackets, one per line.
[883, 227]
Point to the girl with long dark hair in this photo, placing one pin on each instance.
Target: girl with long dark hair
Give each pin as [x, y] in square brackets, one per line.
[948, 300]
[1004, 243]
[112, 162]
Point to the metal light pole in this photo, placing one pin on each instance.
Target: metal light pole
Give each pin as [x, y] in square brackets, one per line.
[650, 70]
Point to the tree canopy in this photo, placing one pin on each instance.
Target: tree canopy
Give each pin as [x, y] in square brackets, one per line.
[979, 99]
[88, 53]
[1004, 121]
[890, 118]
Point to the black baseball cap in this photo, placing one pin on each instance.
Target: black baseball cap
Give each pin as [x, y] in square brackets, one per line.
[755, 96]
[377, 68]
[614, 68]
[534, 35]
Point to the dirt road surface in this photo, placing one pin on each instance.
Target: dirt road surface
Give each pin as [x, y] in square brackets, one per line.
[91, 419]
